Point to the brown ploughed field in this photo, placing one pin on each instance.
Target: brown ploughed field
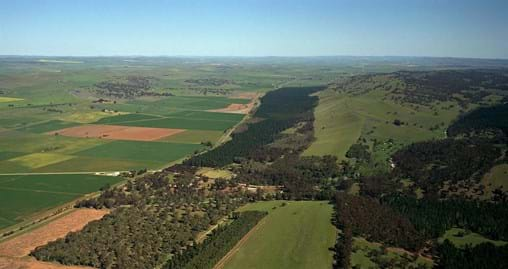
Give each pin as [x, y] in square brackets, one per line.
[235, 108]
[21, 245]
[117, 132]
[245, 95]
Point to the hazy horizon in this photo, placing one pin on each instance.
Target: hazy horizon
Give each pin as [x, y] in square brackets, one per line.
[247, 56]
[456, 29]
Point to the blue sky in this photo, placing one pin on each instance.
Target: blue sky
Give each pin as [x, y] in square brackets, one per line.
[456, 28]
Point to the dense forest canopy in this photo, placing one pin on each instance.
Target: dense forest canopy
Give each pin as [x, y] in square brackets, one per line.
[280, 110]
[431, 163]
[482, 119]
[433, 217]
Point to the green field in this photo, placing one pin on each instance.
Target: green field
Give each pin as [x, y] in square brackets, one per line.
[336, 126]
[297, 235]
[126, 118]
[183, 123]
[191, 102]
[363, 250]
[460, 238]
[48, 126]
[141, 151]
[22, 196]
[185, 119]
[16, 205]
[169, 105]
[87, 164]
[204, 115]
[194, 137]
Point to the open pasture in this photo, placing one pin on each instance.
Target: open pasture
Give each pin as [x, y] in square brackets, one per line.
[84, 117]
[47, 126]
[194, 137]
[460, 238]
[9, 99]
[13, 121]
[36, 160]
[22, 196]
[141, 151]
[336, 127]
[193, 102]
[126, 118]
[363, 250]
[184, 119]
[297, 235]
[184, 123]
[203, 115]
[168, 105]
[97, 164]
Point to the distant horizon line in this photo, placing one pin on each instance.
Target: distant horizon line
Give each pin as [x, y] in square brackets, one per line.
[245, 56]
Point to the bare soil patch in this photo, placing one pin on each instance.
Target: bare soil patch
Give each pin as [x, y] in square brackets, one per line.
[117, 132]
[22, 245]
[240, 108]
[235, 108]
[245, 95]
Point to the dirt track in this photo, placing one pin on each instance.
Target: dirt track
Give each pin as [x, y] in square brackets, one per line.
[238, 245]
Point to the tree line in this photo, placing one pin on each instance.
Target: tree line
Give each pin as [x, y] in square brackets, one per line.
[430, 163]
[217, 244]
[480, 120]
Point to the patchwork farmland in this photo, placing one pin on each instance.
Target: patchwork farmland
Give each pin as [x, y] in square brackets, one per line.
[60, 130]
[49, 145]
[120, 142]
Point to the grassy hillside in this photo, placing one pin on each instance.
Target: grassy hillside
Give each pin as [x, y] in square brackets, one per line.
[386, 112]
[344, 117]
[336, 126]
[297, 235]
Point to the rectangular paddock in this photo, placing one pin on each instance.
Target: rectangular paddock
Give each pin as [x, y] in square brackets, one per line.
[117, 132]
